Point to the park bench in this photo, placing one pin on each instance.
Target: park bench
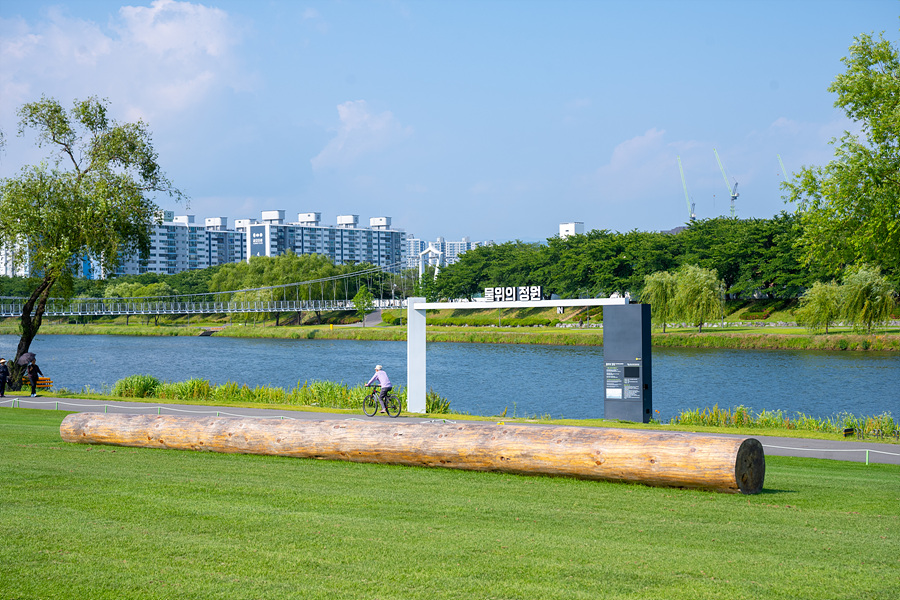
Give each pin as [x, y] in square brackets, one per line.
[43, 383]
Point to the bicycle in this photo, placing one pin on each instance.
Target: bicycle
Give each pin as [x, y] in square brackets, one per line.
[372, 403]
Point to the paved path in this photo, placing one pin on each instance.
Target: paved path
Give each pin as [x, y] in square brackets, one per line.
[872, 452]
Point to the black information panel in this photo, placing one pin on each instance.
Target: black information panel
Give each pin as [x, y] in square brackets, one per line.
[623, 381]
[626, 353]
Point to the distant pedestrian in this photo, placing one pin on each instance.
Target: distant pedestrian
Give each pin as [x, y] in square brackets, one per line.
[33, 372]
[4, 376]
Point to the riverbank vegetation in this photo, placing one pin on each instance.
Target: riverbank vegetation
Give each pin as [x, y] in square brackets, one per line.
[333, 396]
[127, 522]
[316, 394]
[577, 330]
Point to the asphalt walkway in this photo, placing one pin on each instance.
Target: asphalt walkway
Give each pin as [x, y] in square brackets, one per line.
[855, 451]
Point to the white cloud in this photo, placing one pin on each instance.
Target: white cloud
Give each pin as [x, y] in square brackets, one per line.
[178, 30]
[149, 61]
[360, 133]
[635, 166]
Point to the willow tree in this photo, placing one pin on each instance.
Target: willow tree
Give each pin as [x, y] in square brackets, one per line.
[867, 297]
[659, 292]
[90, 199]
[699, 294]
[820, 306]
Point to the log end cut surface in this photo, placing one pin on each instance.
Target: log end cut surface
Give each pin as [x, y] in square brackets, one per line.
[750, 466]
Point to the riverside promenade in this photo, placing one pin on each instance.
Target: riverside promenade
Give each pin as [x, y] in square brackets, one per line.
[853, 451]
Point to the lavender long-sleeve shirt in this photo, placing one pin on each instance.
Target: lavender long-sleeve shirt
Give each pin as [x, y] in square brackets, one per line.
[382, 378]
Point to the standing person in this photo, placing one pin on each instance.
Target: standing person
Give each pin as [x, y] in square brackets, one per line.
[385, 383]
[33, 371]
[4, 375]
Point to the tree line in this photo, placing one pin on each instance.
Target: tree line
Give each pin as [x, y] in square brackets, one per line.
[752, 256]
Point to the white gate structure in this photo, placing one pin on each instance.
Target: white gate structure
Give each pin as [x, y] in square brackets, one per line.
[415, 336]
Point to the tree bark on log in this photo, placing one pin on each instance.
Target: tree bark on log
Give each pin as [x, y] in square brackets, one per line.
[686, 460]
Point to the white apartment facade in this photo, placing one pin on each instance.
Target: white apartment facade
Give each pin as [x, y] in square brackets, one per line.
[180, 244]
[344, 243]
[450, 250]
[570, 229]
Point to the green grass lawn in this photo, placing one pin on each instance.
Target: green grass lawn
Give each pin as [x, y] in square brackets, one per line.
[79, 521]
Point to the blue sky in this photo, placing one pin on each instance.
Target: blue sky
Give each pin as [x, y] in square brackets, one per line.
[491, 119]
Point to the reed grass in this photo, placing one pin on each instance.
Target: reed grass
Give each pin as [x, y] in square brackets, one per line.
[743, 417]
[323, 394]
[136, 386]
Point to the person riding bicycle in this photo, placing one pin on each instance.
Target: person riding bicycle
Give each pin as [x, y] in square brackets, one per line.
[385, 383]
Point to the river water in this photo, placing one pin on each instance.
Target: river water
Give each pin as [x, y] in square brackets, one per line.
[486, 379]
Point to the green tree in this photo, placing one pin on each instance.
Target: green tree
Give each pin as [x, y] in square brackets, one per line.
[868, 297]
[820, 306]
[699, 294]
[850, 209]
[91, 198]
[364, 302]
[659, 291]
[245, 279]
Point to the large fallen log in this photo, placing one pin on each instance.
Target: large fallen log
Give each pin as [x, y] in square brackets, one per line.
[688, 460]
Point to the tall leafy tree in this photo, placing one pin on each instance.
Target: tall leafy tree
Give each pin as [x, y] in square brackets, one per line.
[364, 303]
[91, 197]
[850, 208]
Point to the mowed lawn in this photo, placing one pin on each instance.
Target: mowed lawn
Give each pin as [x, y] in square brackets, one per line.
[92, 522]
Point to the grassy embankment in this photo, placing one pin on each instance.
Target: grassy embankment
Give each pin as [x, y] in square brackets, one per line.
[510, 326]
[81, 521]
[327, 396]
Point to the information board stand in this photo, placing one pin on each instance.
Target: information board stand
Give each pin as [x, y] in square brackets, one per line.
[628, 370]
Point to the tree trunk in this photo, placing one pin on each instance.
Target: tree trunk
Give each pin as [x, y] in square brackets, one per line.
[32, 316]
[671, 459]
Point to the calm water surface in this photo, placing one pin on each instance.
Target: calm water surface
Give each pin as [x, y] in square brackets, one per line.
[561, 381]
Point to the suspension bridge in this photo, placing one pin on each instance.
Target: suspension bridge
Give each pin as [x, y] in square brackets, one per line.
[318, 295]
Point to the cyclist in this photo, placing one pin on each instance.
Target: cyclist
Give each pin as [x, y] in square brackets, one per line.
[385, 383]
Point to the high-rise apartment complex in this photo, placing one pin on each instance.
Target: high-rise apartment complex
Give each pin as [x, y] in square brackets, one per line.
[449, 250]
[344, 243]
[179, 244]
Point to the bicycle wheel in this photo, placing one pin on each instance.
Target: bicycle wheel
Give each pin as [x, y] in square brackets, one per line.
[371, 404]
[393, 406]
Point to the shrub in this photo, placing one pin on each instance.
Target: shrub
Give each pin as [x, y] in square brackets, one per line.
[136, 386]
[192, 389]
[435, 404]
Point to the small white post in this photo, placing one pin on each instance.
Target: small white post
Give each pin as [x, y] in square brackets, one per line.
[415, 356]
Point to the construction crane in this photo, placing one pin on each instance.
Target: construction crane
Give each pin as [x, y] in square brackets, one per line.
[731, 190]
[783, 170]
[690, 205]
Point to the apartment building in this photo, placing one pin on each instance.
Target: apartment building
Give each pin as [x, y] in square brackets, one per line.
[179, 244]
[450, 250]
[344, 243]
